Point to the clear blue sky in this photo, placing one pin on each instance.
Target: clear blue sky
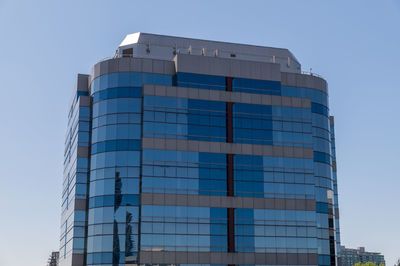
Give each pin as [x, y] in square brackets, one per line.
[354, 44]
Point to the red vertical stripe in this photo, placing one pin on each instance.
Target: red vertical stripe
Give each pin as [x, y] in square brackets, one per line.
[229, 172]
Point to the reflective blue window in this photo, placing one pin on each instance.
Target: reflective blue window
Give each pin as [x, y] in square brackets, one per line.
[128, 79]
[116, 145]
[133, 92]
[322, 157]
[180, 228]
[184, 172]
[319, 109]
[256, 86]
[111, 200]
[166, 117]
[322, 207]
[200, 81]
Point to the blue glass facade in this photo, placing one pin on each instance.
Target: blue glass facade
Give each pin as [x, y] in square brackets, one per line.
[76, 173]
[115, 166]
[202, 200]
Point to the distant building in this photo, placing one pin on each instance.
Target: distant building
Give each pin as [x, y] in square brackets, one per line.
[53, 259]
[350, 256]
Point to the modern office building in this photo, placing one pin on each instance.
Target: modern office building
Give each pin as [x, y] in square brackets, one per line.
[351, 256]
[192, 152]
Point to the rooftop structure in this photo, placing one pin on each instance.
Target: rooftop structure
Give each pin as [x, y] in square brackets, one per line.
[144, 45]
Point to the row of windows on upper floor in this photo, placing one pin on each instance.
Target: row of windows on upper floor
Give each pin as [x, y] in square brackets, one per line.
[151, 184]
[218, 172]
[319, 121]
[111, 172]
[213, 243]
[215, 158]
[73, 111]
[132, 158]
[111, 186]
[135, 92]
[199, 186]
[203, 228]
[218, 134]
[128, 105]
[201, 182]
[207, 215]
[194, 119]
[242, 216]
[203, 133]
[79, 123]
[189, 228]
[122, 214]
[119, 243]
[117, 200]
[173, 117]
[193, 170]
[218, 188]
[197, 107]
[204, 235]
[135, 79]
[288, 132]
[216, 243]
[250, 109]
[274, 169]
[209, 172]
[206, 118]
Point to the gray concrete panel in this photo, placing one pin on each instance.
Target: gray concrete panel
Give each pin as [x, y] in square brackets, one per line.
[182, 257]
[84, 100]
[304, 81]
[225, 96]
[226, 202]
[130, 64]
[227, 67]
[227, 148]
[83, 152]
[78, 259]
[80, 204]
[82, 83]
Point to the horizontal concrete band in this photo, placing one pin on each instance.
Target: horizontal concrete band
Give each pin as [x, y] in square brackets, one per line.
[84, 100]
[181, 257]
[82, 82]
[226, 148]
[227, 67]
[332, 120]
[225, 96]
[82, 152]
[226, 202]
[304, 81]
[208, 66]
[133, 64]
